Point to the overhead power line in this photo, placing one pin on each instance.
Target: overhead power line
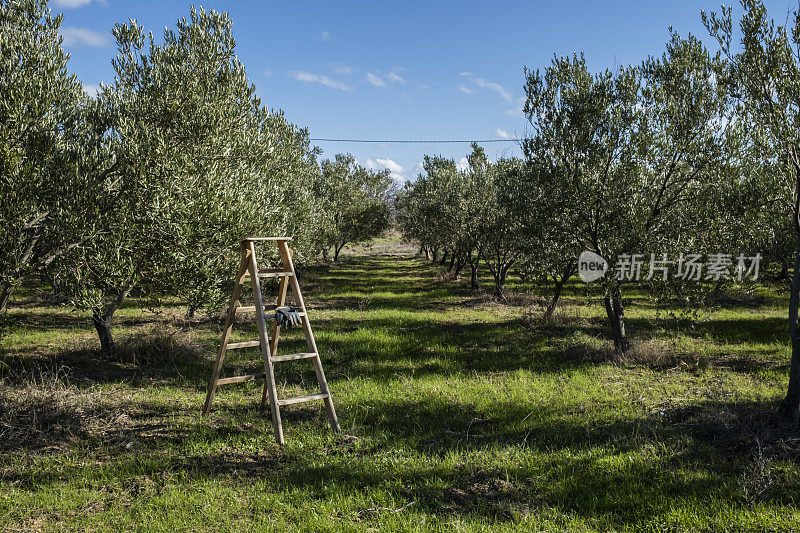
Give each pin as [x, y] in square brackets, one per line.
[415, 141]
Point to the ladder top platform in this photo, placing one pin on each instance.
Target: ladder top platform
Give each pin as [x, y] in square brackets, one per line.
[267, 239]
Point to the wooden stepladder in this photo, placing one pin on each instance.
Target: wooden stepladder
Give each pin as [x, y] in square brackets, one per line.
[269, 344]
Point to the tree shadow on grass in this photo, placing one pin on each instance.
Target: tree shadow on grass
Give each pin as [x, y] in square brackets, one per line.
[708, 450]
[376, 348]
[603, 471]
[139, 359]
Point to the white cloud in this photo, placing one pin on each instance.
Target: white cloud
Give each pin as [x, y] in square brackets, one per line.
[391, 165]
[517, 110]
[375, 80]
[72, 4]
[83, 37]
[503, 134]
[91, 89]
[483, 83]
[464, 89]
[395, 170]
[394, 77]
[267, 73]
[343, 70]
[308, 77]
[462, 164]
[496, 87]
[324, 36]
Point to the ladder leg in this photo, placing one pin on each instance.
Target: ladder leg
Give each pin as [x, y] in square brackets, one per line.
[226, 333]
[286, 256]
[269, 376]
[276, 331]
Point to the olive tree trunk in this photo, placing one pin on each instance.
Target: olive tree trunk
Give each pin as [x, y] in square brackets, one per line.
[101, 318]
[337, 249]
[616, 316]
[474, 264]
[500, 275]
[458, 267]
[783, 275]
[558, 286]
[790, 408]
[102, 323]
[5, 295]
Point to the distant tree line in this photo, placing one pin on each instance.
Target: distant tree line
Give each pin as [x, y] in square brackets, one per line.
[693, 151]
[147, 187]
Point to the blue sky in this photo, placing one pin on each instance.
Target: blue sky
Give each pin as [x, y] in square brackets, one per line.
[401, 70]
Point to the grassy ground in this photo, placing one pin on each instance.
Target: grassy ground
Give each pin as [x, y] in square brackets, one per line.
[457, 413]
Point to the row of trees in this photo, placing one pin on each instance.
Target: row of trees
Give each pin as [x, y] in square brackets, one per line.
[692, 151]
[147, 187]
[469, 216]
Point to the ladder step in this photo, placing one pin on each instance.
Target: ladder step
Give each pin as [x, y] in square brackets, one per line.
[252, 309]
[293, 356]
[246, 344]
[273, 273]
[239, 379]
[301, 399]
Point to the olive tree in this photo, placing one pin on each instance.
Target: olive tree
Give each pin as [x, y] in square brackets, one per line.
[629, 155]
[547, 252]
[195, 164]
[39, 103]
[476, 203]
[766, 76]
[355, 201]
[426, 205]
[584, 128]
[472, 214]
[502, 237]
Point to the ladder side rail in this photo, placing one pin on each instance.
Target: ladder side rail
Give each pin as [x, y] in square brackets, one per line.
[213, 382]
[288, 265]
[264, 337]
[276, 331]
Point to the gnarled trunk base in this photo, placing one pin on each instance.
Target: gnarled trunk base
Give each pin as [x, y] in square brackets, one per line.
[790, 408]
[551, 305]
[5, 296]
[102, 323]
[616, 316]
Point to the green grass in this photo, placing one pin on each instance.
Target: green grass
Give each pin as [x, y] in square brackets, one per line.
[457, 413]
